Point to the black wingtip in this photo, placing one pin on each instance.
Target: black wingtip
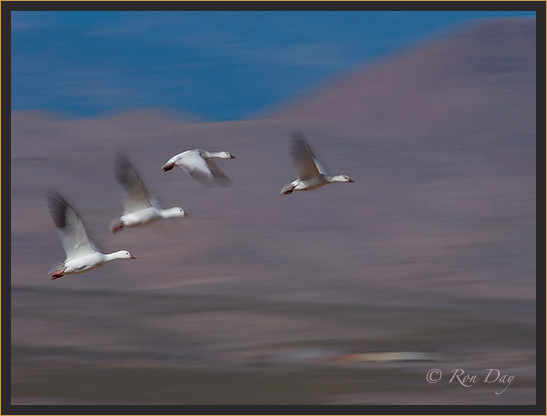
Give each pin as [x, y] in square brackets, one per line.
[57, 205]
[120, 158]
[297, 135]
[299, 141]
[299, 144]
[122, 165]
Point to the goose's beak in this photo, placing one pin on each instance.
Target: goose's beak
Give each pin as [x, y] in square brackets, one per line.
[351, 180]
[132, 256]
[232, 157]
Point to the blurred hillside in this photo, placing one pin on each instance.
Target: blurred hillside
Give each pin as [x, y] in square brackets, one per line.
[433, 84]
[431, 249]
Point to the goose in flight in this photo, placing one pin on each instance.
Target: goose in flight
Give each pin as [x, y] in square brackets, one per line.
[199, 165]
[81, 253]
[311, 175]
[138, 207]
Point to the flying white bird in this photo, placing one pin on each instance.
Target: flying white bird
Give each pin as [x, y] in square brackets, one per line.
[81, 253]
[311, 175]
[138, 207]
[199, 165]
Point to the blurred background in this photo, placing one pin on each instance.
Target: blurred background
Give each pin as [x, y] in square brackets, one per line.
[348, 294]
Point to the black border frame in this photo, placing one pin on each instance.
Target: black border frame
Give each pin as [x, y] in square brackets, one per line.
[8, 6]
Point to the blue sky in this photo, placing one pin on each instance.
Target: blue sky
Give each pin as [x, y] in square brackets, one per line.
[216, 65]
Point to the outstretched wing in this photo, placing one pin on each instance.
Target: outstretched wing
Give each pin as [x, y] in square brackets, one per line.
[204, 171]
[72, 231]
[135, 196]
[220, 177]
[306, 162]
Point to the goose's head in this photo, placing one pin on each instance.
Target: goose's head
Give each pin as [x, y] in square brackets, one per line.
[341, 178]
[124, 254]
[174, 212]
[226, 155]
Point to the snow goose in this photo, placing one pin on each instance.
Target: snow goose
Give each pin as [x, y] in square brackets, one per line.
[138, 207]
[199, 165]
[81, 253]
[311, 174]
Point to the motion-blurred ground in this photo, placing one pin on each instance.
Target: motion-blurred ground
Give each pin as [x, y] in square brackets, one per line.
[254, 297]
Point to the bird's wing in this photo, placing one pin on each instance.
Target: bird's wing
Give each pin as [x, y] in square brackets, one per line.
[219, 176]
[306, 162]
[321, 166]
[72, 231]
[135, 196]
[197, 167]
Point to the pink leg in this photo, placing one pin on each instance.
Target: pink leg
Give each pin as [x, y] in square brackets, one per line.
[58, 273]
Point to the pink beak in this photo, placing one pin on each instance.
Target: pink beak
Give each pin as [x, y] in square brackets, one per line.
[132, 256]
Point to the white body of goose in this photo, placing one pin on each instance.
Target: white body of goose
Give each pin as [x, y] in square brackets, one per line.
[138, 206]
[312, 174]
[199, 165]
[81, 253]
